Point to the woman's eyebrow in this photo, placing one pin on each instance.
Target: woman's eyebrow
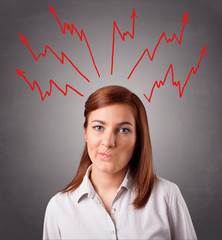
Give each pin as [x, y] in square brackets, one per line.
[99, 121]
[125, 123]
[120, 124]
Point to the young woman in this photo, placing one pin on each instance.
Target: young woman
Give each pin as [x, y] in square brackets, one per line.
[115, 193]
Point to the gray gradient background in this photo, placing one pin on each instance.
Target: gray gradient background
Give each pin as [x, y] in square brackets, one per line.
[41, 142]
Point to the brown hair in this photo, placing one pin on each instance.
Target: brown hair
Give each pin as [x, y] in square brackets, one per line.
[141, 162]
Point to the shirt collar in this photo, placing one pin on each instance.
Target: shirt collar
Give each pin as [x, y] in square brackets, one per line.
[127, 182]
[86, 188]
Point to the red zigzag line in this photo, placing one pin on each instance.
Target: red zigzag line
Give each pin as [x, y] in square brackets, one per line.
[24, 40]
[121, 35]
[163, 35]
[192, 70]
[72, 28]
[51, 82]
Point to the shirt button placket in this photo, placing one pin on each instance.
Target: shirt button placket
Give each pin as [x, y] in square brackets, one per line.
[113, 233]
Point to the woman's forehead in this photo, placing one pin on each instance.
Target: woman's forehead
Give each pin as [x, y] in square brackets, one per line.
[115, 113]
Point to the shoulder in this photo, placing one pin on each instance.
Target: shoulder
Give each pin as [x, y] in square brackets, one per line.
[165, 186]
[178, 214]
[61, 200]
[167, 190]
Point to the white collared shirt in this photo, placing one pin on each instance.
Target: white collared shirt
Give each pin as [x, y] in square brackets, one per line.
[82, 215]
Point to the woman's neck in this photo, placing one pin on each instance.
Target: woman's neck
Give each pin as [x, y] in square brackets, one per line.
[104, 182]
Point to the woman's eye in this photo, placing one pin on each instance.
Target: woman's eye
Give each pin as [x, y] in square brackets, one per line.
[98, 128]
[124, 130]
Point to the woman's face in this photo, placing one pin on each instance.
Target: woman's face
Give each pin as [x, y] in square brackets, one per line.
[111, 137]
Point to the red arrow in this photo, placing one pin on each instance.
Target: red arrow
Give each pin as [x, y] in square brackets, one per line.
[24, 40]
[115, 27]
[133, 16]
[163, 35]
[53, 10]
[51, 82]
[177, 84]
[81, 35]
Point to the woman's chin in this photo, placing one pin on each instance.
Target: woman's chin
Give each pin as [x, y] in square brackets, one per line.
[108, 167]
[105, 166]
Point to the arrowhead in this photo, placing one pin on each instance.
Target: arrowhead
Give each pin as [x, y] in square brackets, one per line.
[24, 40]
[133, 14]
[185, 18]
[204, 51]
[19, 72]
[52, 9]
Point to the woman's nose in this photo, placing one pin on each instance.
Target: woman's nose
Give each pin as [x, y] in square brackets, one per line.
[109, 139]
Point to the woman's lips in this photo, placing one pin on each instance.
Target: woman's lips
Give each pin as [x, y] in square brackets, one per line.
[104, 155]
